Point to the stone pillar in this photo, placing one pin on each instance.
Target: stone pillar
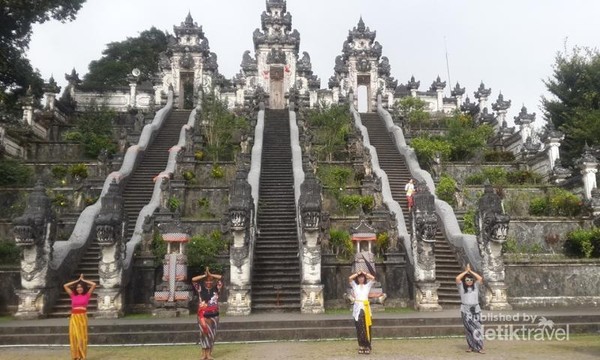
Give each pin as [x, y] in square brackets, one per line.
[500, 107]
[525, 122]
[482, 95]
[241, 219]
[589, 167]
[34, 233]
[438, 86]
[552, 139]
[110, 232]
[27, 102]
[312, 299]
[51, 89]
[132, 94]
[458, 93]
[424, 226]
[492, 227]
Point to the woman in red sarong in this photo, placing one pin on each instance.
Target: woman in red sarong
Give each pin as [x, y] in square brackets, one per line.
[208, 309]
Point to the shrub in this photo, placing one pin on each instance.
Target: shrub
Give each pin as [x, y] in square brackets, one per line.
[445, 189]
[203, 203]
[59, 172]
[367, 203]
[173, 204]
[427, 147]
[334, 178]
[93, 129]
[60, 200]
[199, 155]
[499, 156]
[557, 202]
[341, 243]
[350, 203]
[382, 243]
[78, 171]
[217, 171]
[495, 175]
[188, 175]
[523, 177]
[10, 254]
[510, 246]
[14, 173]
[538, 207]
[202, 251]
[159, 246]
[469, 222]
[580, 242]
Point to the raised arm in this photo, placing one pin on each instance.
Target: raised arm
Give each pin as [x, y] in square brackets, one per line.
[460, 276]
[198, 278]
[478, 278]
[68, 285]
[90, 283]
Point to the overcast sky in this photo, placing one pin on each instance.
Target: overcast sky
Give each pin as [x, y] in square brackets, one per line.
[510, 45]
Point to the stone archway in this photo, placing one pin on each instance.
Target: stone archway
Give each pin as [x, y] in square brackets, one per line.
[186, 90]
[276, 95]
[363, 93]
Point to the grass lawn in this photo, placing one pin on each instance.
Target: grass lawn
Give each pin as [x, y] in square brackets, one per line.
[580, 347]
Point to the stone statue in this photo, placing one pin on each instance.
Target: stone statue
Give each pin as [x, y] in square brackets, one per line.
[35, 233]
[492, 228]
[241, 210]
[424, 227]
[111, 223]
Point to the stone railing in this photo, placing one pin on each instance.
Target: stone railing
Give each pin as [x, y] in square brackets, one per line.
[450, 227]
[10, 146]
[386, 191]
[242, 251]
[161, 183]
[68, 253]
[308, 226]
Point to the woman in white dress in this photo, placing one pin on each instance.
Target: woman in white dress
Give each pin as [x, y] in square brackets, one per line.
[361, 283]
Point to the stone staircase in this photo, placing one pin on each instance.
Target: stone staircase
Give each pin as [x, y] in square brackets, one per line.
[390, 161]
[278, 327]
[276, 268]
[137, 193]
[139, 187]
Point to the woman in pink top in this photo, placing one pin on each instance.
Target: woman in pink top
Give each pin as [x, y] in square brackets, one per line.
[80, 291]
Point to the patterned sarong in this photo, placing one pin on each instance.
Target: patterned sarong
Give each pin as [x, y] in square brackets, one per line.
[208, 330]
[473, 333]
[363, 329]
[78, 335]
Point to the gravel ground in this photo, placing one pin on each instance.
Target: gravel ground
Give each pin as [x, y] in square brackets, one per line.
[580, 347]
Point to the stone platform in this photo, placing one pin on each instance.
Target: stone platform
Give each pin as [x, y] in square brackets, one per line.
[286, 326]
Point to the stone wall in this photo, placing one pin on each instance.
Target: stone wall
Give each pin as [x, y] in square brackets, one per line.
[460, 171]
[54, 151]
[544, 234]
[553, 283]
[10, 281]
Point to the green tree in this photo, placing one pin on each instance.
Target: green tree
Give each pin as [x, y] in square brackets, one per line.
[467, 139]
[412, 111]
[574, 107]
[16, 72]
[119, 58]
[331, 126]
[93, 129]
[221, 128]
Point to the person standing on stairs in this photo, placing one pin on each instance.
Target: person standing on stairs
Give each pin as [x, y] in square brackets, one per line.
[410, 191]
[208, 310]
[468, 283]
[80, 291]
[361, 312]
